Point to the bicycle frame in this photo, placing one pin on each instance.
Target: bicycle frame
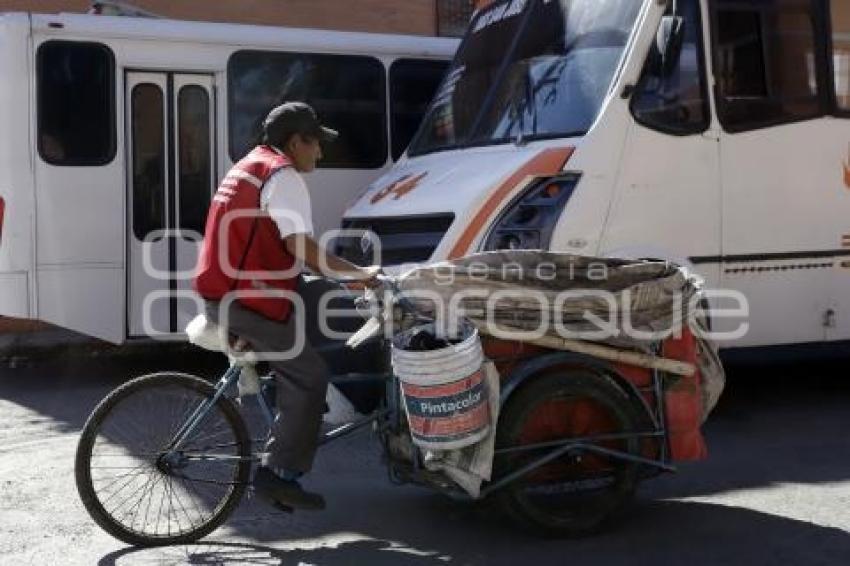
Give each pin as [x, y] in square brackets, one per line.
[390, 417]
[227, 381]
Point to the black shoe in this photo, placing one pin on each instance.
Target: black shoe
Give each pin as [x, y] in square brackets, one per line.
[286, 493]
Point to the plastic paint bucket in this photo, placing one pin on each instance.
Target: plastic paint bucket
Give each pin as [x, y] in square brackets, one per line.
[445, 390]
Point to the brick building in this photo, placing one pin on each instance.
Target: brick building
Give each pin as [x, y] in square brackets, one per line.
[421, 17]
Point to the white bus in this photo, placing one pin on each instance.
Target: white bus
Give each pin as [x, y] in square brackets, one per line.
[114, 131]
[715, 133]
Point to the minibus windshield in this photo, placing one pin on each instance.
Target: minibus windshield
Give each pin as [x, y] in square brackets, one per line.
[528, 69]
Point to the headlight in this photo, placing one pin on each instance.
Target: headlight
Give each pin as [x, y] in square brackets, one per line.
[528, 223]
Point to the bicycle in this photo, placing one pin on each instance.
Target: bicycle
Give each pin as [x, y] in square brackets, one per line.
[572, 442]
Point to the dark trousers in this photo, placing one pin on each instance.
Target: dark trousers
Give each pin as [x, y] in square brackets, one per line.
[302, 383]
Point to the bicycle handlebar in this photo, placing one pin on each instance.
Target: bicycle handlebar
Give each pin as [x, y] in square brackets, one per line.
[389, 284]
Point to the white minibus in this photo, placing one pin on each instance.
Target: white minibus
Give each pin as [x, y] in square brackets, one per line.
[114, 132]
[714, 133]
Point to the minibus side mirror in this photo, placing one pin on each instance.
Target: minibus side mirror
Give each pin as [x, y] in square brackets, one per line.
[669, 41]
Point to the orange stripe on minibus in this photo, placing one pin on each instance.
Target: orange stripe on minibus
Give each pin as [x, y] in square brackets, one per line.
[548, 162]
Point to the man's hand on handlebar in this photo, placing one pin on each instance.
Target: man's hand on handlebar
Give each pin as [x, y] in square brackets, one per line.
[371, 275]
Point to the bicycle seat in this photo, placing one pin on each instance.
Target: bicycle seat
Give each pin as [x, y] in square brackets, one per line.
[208, 335]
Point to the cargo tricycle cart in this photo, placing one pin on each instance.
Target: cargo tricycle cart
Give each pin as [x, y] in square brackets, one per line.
[558, 432]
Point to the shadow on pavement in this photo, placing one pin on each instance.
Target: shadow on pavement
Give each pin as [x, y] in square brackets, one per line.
[659, 533]
[67, 389]
[774, 425]
[370, 552]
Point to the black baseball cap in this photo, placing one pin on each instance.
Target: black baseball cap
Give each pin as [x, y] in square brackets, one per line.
[294, 118]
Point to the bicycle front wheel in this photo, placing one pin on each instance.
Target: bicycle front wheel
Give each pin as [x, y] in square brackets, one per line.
[137, 486]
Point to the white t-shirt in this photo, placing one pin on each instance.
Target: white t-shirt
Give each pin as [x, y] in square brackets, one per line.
[286, 198]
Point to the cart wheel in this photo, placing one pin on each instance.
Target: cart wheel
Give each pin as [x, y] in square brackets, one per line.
[577, 492]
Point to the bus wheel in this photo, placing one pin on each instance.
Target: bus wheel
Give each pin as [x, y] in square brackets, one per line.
[579, 491]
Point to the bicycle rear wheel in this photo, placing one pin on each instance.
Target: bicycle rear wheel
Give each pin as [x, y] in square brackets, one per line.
[139, 490]
[576, 493]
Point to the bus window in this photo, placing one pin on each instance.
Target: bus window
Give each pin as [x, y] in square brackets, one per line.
[765, 62]
[76, 103]
[348, 92]
[674, 100]
[148, 144]
[841, 52]
[412, 86]
[194, 143]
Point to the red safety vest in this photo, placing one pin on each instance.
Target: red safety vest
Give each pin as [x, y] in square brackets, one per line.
[254, 247]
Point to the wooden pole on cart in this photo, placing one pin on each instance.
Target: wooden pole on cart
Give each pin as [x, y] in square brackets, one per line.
[611, 354]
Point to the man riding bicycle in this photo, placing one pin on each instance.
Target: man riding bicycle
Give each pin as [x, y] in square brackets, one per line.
[258, 236]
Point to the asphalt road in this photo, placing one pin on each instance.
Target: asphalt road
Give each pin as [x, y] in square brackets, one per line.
[775, 490]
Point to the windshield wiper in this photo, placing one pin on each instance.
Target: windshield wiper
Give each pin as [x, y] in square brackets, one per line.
[527, 103]
[549, 79]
